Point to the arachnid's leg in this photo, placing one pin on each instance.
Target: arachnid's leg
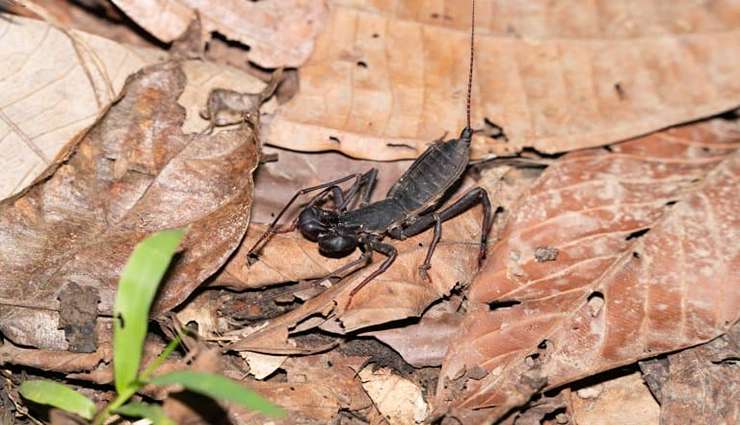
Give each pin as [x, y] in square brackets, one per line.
[364, 185]
[367, 254]
[427, 264]
[389, 251]
[467, 201]
[271, 229]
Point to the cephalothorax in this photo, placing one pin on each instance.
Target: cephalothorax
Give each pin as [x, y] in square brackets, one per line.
[410, 207]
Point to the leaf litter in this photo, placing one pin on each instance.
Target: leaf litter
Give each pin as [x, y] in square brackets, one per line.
[596, 261]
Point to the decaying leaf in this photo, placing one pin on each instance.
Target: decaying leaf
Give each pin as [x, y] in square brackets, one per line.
[396, 294]
[316, 388]
[646, 239]
[698, 384]
[387, 78]
[54, 85]
[277, 181]
[424, 343]
[278, 32]
[399, 400]
[134, 172]
[624, 400]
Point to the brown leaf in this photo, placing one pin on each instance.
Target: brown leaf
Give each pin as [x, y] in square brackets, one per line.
[133, 173]
[278, 32]
[277, 181]
[700, 384]
[387, 78]
[424, 343]
[614, 294]
[396, 294]
[316, 388]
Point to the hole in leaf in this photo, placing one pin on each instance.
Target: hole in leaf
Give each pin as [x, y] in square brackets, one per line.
[595, 302]
[608, 148]
[120, 320]
[362, 64]
[335, 139]
[636, 234]
[376, 35]
[544, 344]
[636, 255]
[500, 305]
[671, 203]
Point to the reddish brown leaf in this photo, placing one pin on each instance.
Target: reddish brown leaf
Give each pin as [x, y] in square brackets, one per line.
[424, 343]
[133, 173]
[609, 297]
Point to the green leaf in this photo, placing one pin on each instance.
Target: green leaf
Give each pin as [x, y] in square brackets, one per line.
[220, 388]
[136, 290]
[152, 412]
[58, 395]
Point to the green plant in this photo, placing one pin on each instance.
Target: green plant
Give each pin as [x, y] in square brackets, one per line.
[136, 290]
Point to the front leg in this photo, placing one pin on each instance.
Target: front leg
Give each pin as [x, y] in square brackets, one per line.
[389, 251]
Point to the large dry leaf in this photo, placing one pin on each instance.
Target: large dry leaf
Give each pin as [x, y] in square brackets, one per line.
[396, 294]
[603, 294]
[700, 384]
[134, 172]
[277, 181]
[278, 32]
[387, 78]
[54, 85]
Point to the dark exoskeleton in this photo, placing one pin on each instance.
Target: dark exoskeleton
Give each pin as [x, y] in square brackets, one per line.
[410, 207]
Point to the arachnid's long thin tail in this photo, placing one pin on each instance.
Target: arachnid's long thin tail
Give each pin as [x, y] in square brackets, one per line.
[470, 70]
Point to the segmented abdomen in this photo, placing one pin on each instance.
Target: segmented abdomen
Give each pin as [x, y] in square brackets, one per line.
[429, 177]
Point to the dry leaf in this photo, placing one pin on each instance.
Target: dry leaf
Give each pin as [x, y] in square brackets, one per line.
[133, 173]
[54, 85]
[614, 294]
[387, 78]
[316, 389]
[700, 384]
[278, 32]
[262, 365]
[425, 343]
[277, 181]
[396, 294]
[624, 400]
[399, 400]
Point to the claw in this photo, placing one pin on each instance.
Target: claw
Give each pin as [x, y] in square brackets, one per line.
[423, 272]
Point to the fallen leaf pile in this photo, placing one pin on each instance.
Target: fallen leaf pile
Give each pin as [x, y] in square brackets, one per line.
[608, 142]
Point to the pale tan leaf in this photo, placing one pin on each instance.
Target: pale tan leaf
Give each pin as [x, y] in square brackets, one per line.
[399, 400]
[54, 85]
[611, 294]
[387, 78]
[624, 400]
[278, 32]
